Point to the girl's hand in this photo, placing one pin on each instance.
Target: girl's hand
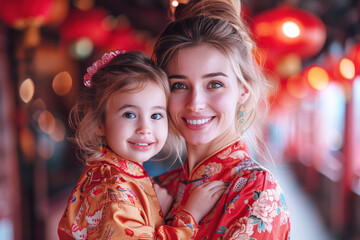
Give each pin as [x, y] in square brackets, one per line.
[164, 198]
[203, 198]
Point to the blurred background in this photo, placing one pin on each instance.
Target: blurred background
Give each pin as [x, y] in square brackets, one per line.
[310, 48]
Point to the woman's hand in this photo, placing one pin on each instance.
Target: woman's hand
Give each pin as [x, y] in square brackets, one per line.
[203, 198]
[164, 198]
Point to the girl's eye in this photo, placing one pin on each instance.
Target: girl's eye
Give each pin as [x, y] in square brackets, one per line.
[178, 85]
[156, 116]
[215, 85]
[129, 115]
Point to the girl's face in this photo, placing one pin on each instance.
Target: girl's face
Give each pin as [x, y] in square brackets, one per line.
[204, 95]
[136, 124]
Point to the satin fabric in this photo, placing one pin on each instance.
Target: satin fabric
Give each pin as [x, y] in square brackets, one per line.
[252, 208]
[115, 199]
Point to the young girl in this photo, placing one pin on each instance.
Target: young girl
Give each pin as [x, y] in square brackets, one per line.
[218, 94]
[121, 122]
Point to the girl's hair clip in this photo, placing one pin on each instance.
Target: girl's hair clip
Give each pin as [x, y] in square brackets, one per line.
[106, 58]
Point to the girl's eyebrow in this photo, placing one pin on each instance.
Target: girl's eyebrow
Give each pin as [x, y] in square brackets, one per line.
[127, 106]
[134, 106]
[160, 107]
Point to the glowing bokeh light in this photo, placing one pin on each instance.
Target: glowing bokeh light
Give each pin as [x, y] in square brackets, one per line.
[59, 132]
[82, 48]
[27, 143]
[318, 78]
[46, 122]
[291, 29]
[27, 90]
[84, 5]
[347, 68]
[174, 3]
[62, 83]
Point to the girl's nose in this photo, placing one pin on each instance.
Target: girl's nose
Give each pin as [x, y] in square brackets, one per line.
[196, 101]
[143, 128]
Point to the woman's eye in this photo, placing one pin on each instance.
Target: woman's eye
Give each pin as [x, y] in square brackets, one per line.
[178, 85]
[129, 115]
[215, 85]
[156, 116]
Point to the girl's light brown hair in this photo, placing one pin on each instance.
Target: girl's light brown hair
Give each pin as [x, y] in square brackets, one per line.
[217, 24]
[127, 72]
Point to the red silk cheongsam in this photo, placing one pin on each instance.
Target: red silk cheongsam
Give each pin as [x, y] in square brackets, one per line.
[115, 199]
[252, 208]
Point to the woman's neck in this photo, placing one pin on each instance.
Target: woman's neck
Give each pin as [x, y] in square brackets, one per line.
[197, 153]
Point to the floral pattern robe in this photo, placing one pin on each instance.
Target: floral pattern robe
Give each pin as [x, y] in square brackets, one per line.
[115, 199]
[252, 208]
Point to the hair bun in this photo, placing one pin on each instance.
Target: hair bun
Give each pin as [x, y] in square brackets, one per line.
[215, 8]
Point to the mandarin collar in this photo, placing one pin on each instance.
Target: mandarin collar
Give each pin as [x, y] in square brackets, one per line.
[234, 153]
[130, 168]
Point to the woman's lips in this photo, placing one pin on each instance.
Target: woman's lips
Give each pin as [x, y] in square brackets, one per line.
[197, 123]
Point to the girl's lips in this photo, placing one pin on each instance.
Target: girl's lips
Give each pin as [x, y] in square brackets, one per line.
[141, 146]
[197, 123]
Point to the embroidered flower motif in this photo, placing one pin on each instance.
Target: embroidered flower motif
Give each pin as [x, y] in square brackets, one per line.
[265, 209]
[210, 169]
[240, 184]
[252, 177]
[180, 193]
[270, 178]
[243, 165]
[240, 230]
[95, 219]
[79, 234]
[240, 154]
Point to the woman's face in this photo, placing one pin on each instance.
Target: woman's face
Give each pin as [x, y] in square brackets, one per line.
[204, 95]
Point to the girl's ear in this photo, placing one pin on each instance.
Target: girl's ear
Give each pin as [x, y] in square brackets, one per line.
[100, 130]
[243, 94]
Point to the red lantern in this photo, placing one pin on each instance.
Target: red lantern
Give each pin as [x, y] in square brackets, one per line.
[126, 39]
[19, 13]
[86, 24]
[26, 14]
[287, 30]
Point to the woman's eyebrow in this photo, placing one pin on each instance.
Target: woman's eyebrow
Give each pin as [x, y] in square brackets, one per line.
[215, 74]
[178, 76]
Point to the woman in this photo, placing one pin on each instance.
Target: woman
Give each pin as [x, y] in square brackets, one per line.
[217, 94]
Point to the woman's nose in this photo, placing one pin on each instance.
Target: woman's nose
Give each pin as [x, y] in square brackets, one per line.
[196, 101]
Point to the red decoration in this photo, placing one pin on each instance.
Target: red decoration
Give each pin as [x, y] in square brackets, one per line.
[126, 39]
[22, 13]
[354, 55]
[89, 24]
[287, 30]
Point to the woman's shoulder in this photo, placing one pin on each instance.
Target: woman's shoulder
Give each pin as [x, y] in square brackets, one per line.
[251, 176]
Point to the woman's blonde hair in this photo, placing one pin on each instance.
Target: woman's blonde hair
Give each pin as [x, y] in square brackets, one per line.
[217, 24]
[127, 72]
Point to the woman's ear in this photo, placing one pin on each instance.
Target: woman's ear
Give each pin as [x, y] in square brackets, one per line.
[243, 94]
